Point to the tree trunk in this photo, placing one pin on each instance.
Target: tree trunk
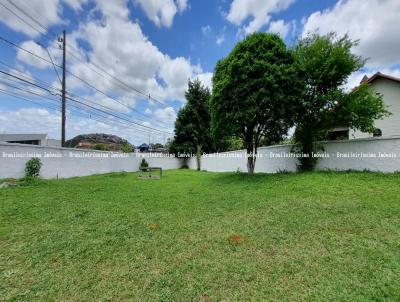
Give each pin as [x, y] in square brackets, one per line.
[251, 159]
[198, 157]
[250, 165]
[307, 162]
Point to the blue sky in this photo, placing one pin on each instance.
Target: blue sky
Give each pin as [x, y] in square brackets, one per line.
[155, 46]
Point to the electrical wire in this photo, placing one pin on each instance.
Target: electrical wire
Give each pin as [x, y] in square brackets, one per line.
[77, 101]
[139, 91]
[78, 78]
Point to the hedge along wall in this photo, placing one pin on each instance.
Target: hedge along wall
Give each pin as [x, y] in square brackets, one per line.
[377, 154]
[65, 162]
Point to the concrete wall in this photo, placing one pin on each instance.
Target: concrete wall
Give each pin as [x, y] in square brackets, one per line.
[65, 162]
[376, 154]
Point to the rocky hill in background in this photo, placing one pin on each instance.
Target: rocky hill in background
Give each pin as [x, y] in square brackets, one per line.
[100, 141]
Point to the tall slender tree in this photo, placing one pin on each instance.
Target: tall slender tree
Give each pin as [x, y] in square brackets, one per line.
[192, 126]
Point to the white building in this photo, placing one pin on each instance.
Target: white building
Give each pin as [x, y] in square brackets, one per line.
[389, 88]
[30, 139]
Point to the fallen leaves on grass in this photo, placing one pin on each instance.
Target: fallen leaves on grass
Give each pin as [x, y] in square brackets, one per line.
[154, 226]
[236, 239]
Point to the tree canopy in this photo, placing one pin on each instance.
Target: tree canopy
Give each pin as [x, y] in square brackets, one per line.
[325, 63]
[192, 126]
[254, 92]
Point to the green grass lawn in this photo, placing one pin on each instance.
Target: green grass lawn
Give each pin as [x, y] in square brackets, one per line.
[198, 236]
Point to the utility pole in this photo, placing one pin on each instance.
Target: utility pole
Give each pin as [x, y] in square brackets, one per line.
[63, 91]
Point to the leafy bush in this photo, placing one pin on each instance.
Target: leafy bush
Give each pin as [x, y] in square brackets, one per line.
[32, 167]
[127, 148]
[144, 164]
[101, 147]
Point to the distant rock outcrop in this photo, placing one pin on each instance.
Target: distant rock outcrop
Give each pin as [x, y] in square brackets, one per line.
[100, 141]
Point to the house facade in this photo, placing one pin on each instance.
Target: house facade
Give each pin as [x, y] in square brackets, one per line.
[389, 88]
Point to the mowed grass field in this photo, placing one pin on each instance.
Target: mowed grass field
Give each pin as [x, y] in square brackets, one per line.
[199, 236]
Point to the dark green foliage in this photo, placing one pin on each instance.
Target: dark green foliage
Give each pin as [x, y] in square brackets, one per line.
[192, 126]
[254, 92]
[32, 167]
[156, 146]
[127, 148]
[233, 143]
[144, 164]
[101, 147]
[325, 63]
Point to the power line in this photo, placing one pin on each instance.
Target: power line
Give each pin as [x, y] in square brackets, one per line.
[57, 89]
[26, 81]
[24, 75]
[21, 89]
[54, 65]
[30, 17]
[26, 99]
[103, 119]
[77, 101]
[78, 78]
[51, 59]
[139, 91]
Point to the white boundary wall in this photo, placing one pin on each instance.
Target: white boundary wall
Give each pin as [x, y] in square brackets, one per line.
[65, 162]
[375, 154]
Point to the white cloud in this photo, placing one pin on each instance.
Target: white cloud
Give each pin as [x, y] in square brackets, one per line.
[258, 10]
[36, 120]
[279, 27]
[206, 29]
[120, 47]
[166, 115]
[205, 78]
[375, 23]
[182, 5]
[10, 83]
[113, 9]
[162, 13]
[220, 39]
[100, 101]
[75, 4]
[31, 60]
[47, 10]
[176, 73]
[31, 120]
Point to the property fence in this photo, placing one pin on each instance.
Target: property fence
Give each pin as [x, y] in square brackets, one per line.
[66, 162]
[378, 154]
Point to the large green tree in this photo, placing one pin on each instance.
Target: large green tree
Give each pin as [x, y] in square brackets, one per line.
[192, 126]
[254, 91]
[326, 63]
